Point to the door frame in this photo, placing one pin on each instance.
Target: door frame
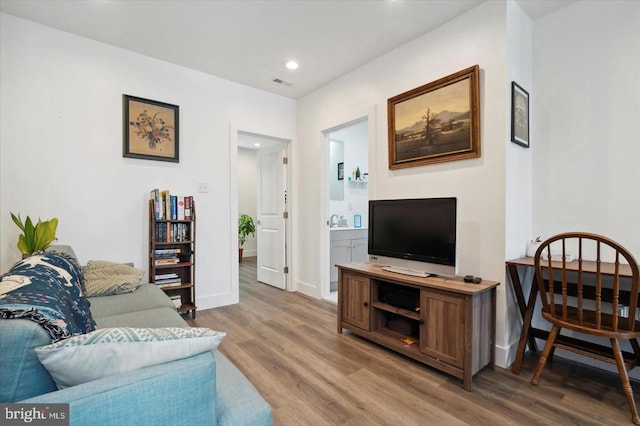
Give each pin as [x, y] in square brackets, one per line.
[234, 128]
[368, 114]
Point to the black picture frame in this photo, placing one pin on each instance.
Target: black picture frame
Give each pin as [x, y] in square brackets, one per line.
[519, 115]
[150, 129]
[340, 171]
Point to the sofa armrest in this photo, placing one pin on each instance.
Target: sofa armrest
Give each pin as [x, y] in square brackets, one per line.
[170, 393]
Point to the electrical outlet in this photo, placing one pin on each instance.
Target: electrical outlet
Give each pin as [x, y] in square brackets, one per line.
[203, 187]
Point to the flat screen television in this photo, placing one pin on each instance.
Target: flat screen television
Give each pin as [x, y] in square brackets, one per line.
[414, 236]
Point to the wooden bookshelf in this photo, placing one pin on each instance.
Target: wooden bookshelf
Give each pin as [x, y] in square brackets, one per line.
[174, 241]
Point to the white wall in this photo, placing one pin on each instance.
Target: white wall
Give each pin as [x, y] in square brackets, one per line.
[586, 69]
[61, 148]
[247, 186]
[587, 80]
[518, 169]
[477, 37]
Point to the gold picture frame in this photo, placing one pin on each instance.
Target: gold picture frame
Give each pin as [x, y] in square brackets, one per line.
[436, 122]
[150, 130]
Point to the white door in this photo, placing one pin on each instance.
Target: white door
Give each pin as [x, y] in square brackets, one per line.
[271, 206]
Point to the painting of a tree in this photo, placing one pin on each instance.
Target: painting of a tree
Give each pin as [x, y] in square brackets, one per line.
[436, 122]
[431, 128]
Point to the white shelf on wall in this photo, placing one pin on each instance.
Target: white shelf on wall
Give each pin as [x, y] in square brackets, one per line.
[358, 181]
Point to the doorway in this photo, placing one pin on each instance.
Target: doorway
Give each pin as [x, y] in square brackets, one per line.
[262, 194]
[348, 203]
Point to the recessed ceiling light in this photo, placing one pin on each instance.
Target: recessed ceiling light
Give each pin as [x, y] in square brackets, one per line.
[292, 65]
[256, 144]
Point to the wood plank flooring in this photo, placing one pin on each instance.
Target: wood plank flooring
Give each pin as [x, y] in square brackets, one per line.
[287, 346]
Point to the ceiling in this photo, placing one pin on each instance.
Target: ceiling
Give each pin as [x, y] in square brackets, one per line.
[249, 41]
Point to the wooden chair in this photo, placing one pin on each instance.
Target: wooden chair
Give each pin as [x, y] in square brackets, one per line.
[591, 297]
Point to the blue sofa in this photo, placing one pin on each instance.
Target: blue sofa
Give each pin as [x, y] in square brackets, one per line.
[206, 389]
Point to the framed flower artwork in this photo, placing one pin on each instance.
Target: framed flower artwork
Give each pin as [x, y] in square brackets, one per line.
[150, 130]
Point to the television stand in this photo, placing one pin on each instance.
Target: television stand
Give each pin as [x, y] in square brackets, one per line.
[405, 271]
[452, 329]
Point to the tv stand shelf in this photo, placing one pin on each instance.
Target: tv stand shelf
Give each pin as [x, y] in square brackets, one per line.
[453, 327]
[395, 310]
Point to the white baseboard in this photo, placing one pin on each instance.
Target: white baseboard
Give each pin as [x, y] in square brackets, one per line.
[216, 301]
[505, 355]
[307, 289]
[249, 253]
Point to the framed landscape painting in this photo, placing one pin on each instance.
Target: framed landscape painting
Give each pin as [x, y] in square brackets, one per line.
[437, 122]
[150, 130]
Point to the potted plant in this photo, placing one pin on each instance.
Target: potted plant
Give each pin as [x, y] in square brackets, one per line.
[35, 238]
[245, 227]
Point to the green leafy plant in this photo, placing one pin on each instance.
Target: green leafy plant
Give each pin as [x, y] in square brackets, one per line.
[35, 238]
[245, 227]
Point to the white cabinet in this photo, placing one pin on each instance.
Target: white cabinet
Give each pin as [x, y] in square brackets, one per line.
[359, 249]
[347, 245]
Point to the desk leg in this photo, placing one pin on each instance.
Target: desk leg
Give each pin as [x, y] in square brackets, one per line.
[526, 327]
[517, 288]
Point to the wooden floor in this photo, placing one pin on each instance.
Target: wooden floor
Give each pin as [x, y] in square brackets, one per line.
[288, 347]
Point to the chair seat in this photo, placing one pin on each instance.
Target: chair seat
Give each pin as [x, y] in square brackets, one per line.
[588, 323]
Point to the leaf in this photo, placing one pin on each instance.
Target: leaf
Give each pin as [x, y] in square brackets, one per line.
[45, 234]
[29, 235]
[17, 221]
[22, 245]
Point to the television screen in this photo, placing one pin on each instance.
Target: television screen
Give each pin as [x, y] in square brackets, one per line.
[422, 230]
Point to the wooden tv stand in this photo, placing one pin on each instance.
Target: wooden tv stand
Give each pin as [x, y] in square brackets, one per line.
[453, 327]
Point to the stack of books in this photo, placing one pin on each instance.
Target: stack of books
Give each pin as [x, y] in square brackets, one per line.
[169, 256]
[171, 207]
[167, 280]
[177, 300]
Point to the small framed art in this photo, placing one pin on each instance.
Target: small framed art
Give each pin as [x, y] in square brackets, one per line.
[150, 130]
[519, 115]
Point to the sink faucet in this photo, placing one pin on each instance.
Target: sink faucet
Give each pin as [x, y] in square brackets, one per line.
[332, 224]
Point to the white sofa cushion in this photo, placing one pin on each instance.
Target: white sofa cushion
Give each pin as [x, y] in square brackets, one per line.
[110, 351]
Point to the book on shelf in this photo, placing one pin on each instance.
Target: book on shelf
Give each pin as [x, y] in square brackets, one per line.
[158, 277]
[171, 207]
[155, 196]
[165, 256]
[169, 261]
[167, 252]
[174, 207]
[169, 280]
[187, 207]
[169, 285]
[180, 207]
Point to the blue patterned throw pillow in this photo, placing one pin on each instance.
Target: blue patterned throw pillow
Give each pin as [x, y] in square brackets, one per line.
[47, 288]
